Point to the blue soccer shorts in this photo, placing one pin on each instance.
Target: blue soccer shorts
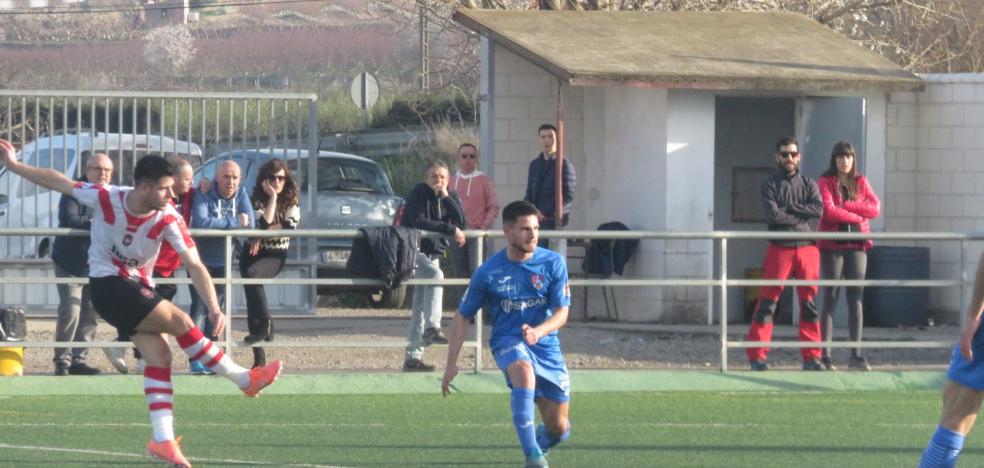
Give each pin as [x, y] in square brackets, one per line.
[969, 373]
[552, 379]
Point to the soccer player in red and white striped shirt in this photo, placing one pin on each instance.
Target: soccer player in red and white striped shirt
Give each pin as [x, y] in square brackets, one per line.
[127, 230]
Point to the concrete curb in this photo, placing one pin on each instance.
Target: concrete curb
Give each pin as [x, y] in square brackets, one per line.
[584, 381]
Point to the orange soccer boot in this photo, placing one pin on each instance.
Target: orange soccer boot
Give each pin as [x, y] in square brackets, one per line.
[168, 451]
[261, 377]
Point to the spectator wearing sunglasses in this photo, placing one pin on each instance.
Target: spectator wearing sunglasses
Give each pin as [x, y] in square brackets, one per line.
[480, 203]
[792, 203]
[276, 204]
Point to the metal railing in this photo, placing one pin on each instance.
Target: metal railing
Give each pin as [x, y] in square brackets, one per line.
[722, 282]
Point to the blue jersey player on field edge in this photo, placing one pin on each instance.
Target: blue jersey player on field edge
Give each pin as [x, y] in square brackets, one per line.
[963, 391]
[525, 292]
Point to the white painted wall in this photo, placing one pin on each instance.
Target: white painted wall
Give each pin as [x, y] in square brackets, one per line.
[934, 171]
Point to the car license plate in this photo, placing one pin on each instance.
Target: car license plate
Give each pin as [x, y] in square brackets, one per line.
[335, 255]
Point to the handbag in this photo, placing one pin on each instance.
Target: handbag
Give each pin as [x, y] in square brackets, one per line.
[13, 324]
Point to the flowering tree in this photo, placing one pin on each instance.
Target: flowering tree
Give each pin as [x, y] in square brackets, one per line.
[169, 48]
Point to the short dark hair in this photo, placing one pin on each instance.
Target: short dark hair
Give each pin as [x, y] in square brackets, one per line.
[436, 164]
[786, 141]
[467, 145]
[546, 127]
[151, 168]
[514, 210]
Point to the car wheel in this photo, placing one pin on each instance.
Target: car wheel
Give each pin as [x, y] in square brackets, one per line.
[388, 298]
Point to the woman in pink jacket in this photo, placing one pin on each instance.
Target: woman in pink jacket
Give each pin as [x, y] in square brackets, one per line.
[848, 204]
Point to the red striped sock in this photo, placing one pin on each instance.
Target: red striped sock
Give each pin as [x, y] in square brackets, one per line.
[159, 394]
[201, 349]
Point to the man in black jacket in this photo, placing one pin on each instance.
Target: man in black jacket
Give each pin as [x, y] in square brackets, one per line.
[541, 183]
[76, 317]
[791, 203]
[430, 207]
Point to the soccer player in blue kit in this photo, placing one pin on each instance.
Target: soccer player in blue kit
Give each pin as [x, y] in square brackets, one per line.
[525, 292]
[963, 391]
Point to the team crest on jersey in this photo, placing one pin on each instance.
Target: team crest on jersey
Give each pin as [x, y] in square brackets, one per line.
[127, 239]
[147, 293]
[537, 281]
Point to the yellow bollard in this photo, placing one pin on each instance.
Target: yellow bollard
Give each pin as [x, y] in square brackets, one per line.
[11, 362]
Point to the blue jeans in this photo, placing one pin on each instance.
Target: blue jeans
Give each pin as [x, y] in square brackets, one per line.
[426, 309]
[199, 311]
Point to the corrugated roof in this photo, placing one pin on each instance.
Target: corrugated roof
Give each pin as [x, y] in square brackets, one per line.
[698, 50]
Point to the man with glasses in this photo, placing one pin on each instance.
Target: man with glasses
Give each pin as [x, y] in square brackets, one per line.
[480, 203]
[76, 317]
[792, 203]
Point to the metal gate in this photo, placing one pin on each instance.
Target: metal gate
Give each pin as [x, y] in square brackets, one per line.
[60, 129]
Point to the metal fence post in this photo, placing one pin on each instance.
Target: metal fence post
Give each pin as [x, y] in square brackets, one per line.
[724, 304]
[228, 293]
[478, 255]
[963, 282]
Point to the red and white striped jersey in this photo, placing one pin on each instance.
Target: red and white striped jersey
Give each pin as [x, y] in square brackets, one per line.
[122, 244]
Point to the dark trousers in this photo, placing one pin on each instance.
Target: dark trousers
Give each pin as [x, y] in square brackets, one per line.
[849, 265]
[265, 264]
[780, 262]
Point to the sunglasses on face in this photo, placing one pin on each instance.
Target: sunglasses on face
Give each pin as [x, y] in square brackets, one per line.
[469, 156]
[789, 154]
[278, 178]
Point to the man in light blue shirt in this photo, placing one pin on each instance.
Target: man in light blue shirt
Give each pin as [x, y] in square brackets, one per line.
[525, 291]
[226, 206]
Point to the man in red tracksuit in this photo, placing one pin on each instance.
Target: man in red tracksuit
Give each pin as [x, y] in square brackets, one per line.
[791, 203]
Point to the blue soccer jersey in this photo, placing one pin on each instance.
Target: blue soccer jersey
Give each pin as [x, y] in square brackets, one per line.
[517, 293]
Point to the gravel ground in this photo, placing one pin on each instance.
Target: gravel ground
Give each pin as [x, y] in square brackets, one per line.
[587, 345]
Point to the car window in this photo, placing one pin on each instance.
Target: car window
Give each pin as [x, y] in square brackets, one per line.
[346, 175]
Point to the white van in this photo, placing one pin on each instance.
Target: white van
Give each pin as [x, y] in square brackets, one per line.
[26, 205]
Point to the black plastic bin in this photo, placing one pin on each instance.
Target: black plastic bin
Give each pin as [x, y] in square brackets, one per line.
[893, 306]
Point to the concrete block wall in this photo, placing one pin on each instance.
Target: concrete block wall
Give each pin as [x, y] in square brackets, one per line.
[934, 173]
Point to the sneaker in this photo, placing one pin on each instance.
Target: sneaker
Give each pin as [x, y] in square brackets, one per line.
[859, 363]
[813, 365]
[168, 451]
[827, 363]
[434, 336]
[416, 365]
[261, 377]
[760, 365]
[536, 460]
[81, 368]
[61, 368]
[115, 357]
[197, 368]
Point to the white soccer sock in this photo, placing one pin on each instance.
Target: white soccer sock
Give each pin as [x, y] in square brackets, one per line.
[201, 349]
[159, 394]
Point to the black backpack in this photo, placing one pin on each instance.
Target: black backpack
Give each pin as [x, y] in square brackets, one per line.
[13, 324]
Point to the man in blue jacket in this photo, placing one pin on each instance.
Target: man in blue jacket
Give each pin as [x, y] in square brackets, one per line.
[226, 206]
[541, 183]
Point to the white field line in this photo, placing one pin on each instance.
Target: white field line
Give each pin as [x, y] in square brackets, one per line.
[205, 424]
[133, 455]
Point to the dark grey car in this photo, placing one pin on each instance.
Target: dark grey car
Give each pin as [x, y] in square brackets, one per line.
[353, 192]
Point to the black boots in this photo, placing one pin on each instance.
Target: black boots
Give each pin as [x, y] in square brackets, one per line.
[263, 331]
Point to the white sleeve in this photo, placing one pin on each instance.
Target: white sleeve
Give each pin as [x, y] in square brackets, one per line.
[88, 194]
